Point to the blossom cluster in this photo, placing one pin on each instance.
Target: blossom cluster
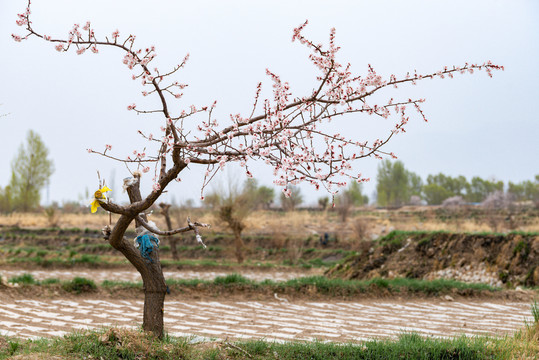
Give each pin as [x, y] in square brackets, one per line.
[289, 133]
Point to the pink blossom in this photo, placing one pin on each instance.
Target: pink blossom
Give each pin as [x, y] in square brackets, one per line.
[17, 38]
[286, 130]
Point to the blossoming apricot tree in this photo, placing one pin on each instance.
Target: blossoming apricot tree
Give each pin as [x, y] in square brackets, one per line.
[288, 132]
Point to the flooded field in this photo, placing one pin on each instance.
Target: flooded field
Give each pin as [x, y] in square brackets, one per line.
[278, 320]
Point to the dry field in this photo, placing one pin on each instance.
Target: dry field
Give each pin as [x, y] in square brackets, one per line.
[366, 223]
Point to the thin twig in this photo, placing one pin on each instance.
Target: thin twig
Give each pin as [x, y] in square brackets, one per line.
[235, 347]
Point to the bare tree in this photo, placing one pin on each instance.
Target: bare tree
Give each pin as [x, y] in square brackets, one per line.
[171, 239]
[499, 208]
[291, 199]
[289, 133]
[348, 199]
[232, 207]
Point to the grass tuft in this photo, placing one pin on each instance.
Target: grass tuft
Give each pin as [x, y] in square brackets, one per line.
[79, 285]
[535, 312]
[50, 281]
[24, 279]
[231, 279]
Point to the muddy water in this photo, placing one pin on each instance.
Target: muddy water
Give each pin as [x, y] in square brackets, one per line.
[278, 320]
[131, 275]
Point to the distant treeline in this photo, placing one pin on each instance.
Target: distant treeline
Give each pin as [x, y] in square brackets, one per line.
[397, 186]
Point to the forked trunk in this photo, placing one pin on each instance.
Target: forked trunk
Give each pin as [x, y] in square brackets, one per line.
[153, 280]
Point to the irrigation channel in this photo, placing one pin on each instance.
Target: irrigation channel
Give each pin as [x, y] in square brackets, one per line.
[99, 276]
[278, 320]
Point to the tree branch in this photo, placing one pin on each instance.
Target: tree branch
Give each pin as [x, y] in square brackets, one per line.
[190, 227]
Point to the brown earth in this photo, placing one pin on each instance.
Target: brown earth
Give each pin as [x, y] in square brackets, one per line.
[511, 258]
[258, 247]
[272, 319]
[241, 292]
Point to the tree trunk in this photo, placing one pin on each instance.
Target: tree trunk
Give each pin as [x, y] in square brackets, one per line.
[171, 239]
[173, 242]
[238, 242]
[154, 286]
[153, 280]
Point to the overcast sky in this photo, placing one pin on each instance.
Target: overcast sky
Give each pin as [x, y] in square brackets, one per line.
[478, 126]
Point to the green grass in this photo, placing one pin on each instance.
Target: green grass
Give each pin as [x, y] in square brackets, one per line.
[24, 279]
[114, 343]
[198, 262]
[79, 285]
[319, 284]
[396, 238]
[407, 346]
[535, 312]
[342, 287]
[87, 259]
[231, 279]
[124, 284]
[63, 260]
[50, 281]
[523, 248]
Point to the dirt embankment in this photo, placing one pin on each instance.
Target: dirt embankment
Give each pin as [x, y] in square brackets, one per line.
[497, 259]
[69, 247]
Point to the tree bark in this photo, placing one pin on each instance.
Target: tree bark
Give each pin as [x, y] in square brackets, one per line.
[153, 280]
[171, 239]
